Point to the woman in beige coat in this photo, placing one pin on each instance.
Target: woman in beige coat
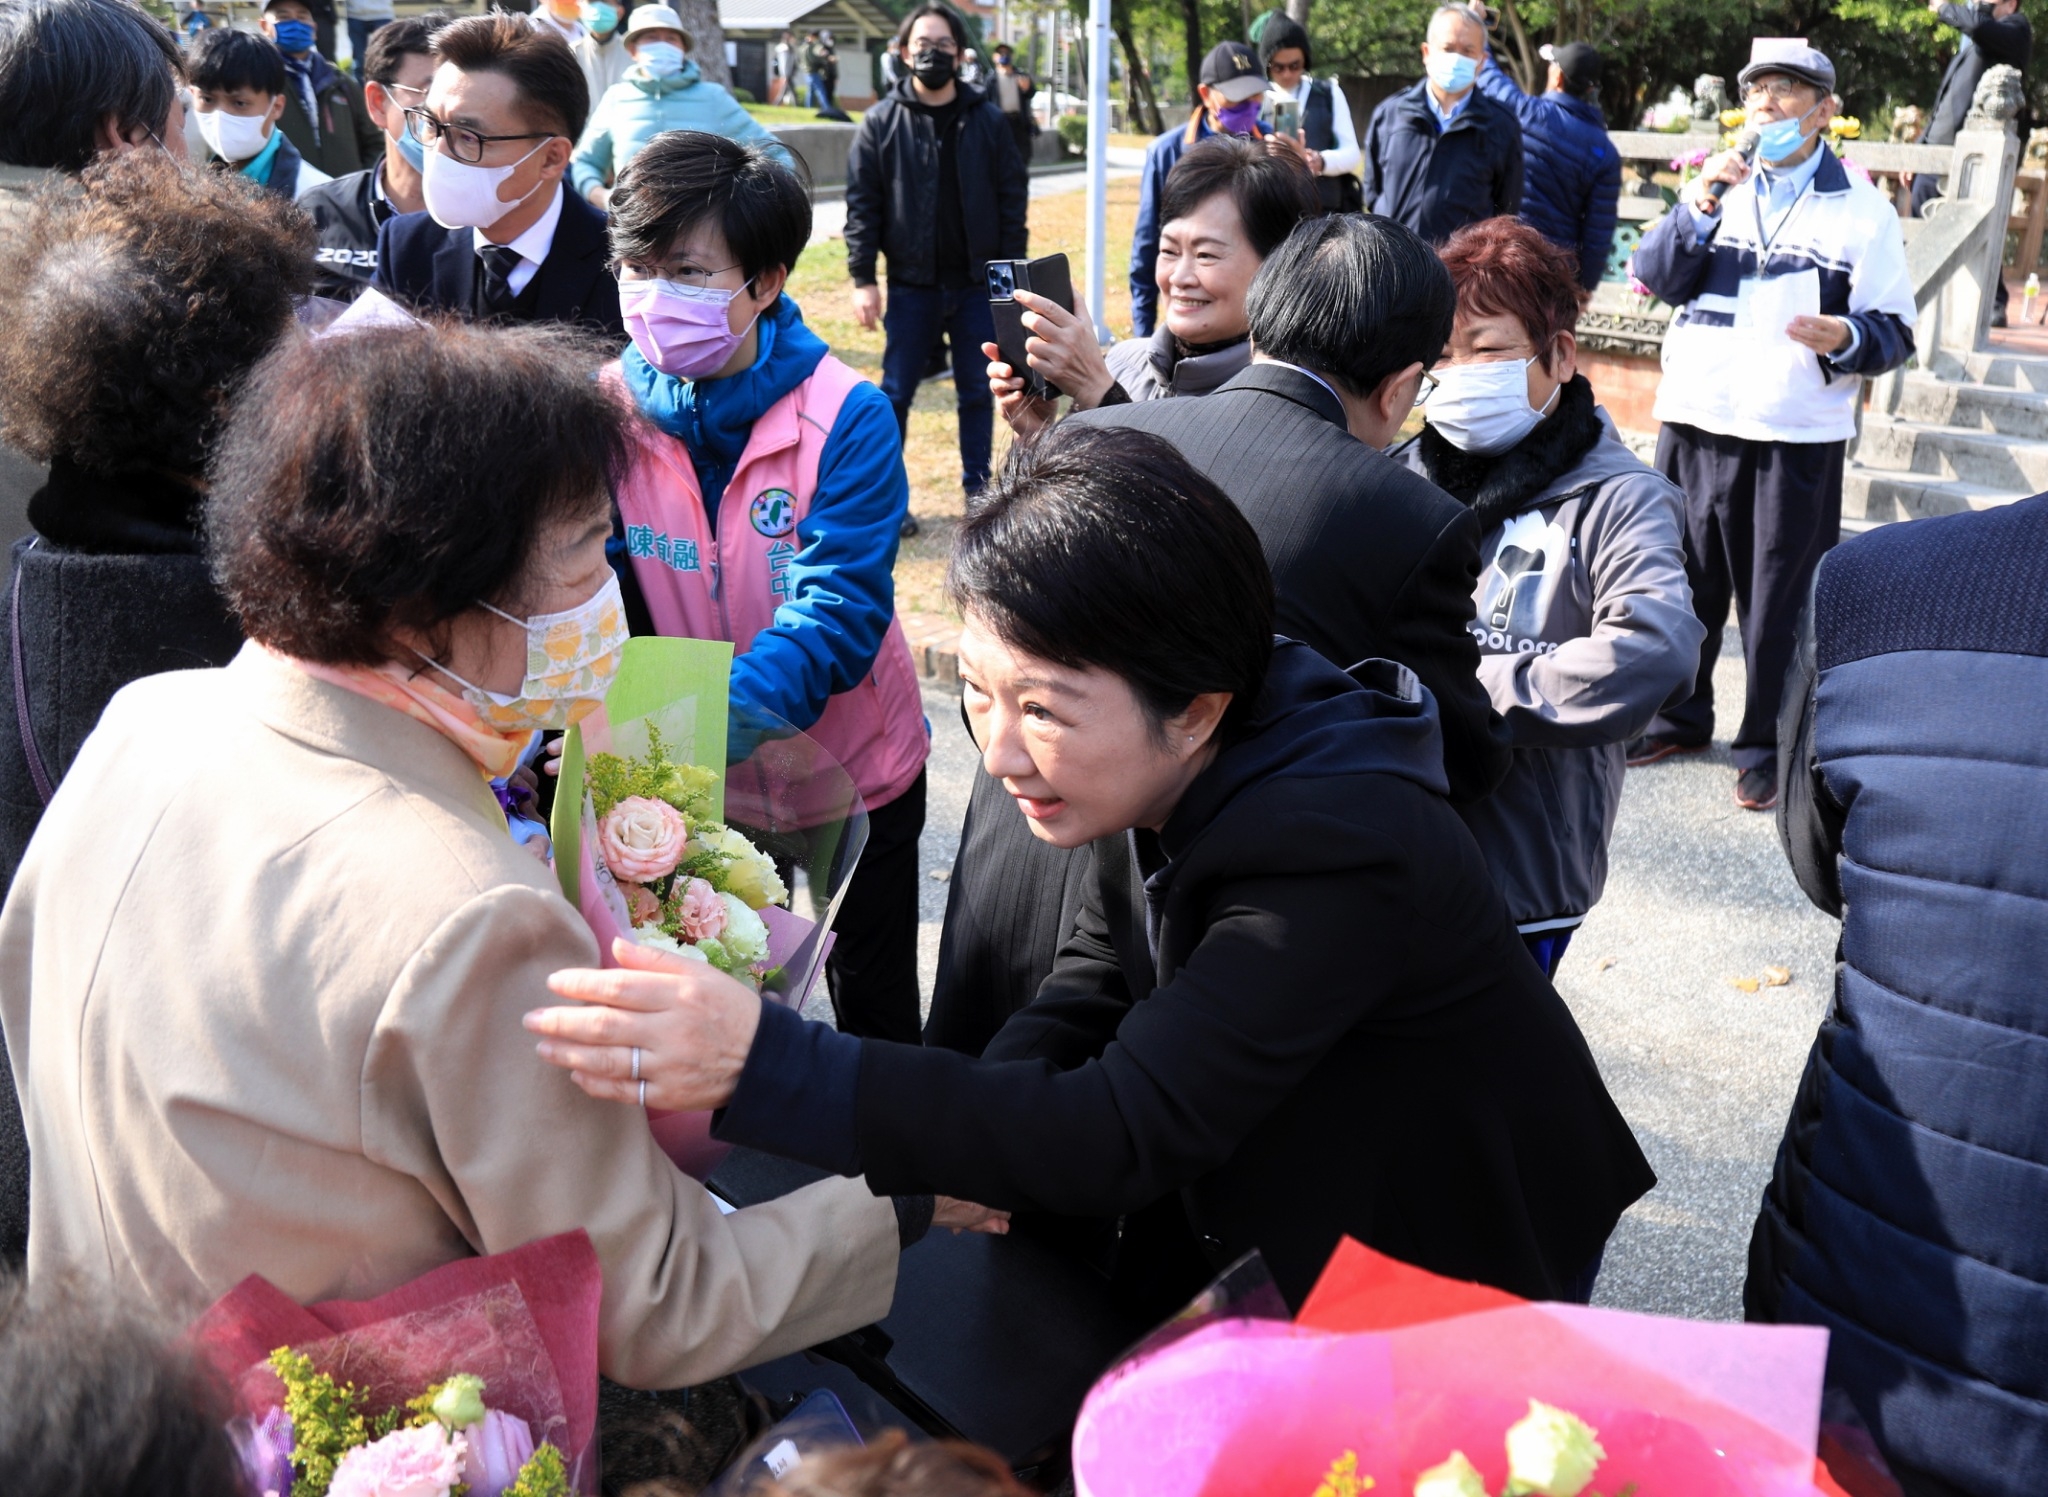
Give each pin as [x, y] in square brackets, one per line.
[263, 969]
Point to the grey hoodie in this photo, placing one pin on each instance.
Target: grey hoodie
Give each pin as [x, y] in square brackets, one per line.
[1585, 628]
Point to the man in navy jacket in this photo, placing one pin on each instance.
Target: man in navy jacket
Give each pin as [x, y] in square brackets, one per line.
[1442, 154]
[1573, 173]
[501, 237]
[1908, 1211]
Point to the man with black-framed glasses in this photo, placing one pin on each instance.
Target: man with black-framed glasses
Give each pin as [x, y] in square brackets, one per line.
[398, 69]
[501, 238]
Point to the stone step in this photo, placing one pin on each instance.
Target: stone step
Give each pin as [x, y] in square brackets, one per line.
[2013, 371]
[2012, 464]
[2001, 409]
[1873, 497]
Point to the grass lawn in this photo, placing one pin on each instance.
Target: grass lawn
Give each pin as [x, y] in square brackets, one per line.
[932, 451]
[790, 114]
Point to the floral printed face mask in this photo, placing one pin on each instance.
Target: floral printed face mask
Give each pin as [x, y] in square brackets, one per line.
[571, 658]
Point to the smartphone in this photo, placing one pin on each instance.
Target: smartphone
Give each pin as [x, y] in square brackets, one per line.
[1287, 118]
[1047, 277]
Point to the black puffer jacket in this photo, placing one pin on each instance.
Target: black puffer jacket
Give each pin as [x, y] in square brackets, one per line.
[112, 587]
[892, 188]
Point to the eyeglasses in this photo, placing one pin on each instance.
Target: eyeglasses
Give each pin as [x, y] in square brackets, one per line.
[465, 145]
[697, 279]
[400, 88]
[946, 47]
[1426, 389]
[1777, 90]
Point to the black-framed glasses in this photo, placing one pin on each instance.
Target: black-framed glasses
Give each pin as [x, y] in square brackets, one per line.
[464, 144]
[1777, 90]
[1426, 389]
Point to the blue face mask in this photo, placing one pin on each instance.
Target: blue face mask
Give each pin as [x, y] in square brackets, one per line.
[601, 18]
[1780, 138]
[1452, 72]
[294, 36]
[661, 59]
[414, 153]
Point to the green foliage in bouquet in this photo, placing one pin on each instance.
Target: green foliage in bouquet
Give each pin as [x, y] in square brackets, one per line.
[327, 1421]
[544, 1475]
[687, 787]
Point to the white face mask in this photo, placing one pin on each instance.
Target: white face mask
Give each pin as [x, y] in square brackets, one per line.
[232, 137]
[571, 658]
[461, 196]
[1485, 408]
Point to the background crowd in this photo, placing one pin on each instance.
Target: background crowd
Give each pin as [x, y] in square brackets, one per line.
[1323, 615]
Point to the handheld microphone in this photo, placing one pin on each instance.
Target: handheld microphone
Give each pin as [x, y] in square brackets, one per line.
[1745, 147]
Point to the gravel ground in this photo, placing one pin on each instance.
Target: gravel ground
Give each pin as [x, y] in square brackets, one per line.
[1699, 895]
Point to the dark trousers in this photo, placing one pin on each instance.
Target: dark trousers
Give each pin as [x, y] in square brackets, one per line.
[359, 33]
[1758, 518]
[916, 318]
[872, 972]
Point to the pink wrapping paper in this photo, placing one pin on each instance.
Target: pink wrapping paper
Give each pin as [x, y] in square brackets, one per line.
[1683, 1408]
[530, 1315]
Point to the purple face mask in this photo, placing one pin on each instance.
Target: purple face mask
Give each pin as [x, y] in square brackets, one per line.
[681, 330]
[1239, 119]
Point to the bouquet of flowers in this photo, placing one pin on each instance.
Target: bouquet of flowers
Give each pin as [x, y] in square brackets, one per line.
[479, 1378]
[732, 848]
[1395, 1382]
[690, 883]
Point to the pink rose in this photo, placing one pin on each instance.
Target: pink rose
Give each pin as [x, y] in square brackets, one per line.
[642, 839]
[420, 1462]
[642, 903]
[703, 912]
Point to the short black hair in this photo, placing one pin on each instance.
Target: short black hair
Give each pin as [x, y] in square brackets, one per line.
[1102, 546]
[67, 65]
[1273, 193]
[400, 476]
[95, 1397]
[1280, 33]
[681, 178]
[222, 59]
[394, 41]
[1355, 297]
[136, 307]
[946, 12]
[538, 62]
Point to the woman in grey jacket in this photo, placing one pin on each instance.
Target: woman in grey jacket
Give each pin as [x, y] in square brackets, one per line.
[1582, 613]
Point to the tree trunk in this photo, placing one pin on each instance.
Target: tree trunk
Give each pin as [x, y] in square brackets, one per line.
[1191, 20]
[1297, 11]
[1528, 69]
[707, 50]
[1139, 105]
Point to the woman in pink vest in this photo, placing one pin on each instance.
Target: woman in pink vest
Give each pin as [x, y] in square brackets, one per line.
[764, 506]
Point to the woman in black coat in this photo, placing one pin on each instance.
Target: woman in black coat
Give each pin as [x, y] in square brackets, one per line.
[139, 303]
[1294, 1007]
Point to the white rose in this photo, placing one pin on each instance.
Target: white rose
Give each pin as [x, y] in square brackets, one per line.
[745, 934]
[661, 940]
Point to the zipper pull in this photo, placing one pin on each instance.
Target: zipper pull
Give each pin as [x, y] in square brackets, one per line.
[711, 565]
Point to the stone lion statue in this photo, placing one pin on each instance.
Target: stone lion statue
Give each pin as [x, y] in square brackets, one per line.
[1709, 98]
[1997, 101]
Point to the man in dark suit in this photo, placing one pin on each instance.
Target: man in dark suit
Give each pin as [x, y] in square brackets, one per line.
[501, 238]
[1368, 560]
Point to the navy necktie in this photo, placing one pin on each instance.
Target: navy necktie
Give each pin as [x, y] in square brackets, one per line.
[499, 261]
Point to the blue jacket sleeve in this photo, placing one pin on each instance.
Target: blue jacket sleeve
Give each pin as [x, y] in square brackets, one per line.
[592, 163]
[1672, 259]
[1596, 231]
[1883, 343]
[842, 582]
[1145, 245]
[1496, 83]
[739, 125]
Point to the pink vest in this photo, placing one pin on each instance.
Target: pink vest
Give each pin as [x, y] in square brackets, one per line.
[727, 586]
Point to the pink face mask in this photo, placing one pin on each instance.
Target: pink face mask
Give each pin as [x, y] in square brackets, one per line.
[681, 330]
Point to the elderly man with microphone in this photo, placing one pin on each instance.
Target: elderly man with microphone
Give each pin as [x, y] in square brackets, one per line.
[1789, 278]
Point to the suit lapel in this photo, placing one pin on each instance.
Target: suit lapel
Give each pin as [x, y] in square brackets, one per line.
[574, 262]
[454, 275]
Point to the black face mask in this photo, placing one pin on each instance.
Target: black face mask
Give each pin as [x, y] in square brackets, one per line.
[933, 69]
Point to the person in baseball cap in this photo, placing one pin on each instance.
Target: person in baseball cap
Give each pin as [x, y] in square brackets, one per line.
[1228, 96]
[1571, 183]
[1763, 375]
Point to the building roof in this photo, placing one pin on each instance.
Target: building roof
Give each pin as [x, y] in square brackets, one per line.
[851, 16]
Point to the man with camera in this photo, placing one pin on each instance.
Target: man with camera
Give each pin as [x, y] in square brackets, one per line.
[1762, 376]
[935, 184]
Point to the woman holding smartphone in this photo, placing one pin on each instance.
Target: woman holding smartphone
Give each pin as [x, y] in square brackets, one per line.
[1228, 204]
